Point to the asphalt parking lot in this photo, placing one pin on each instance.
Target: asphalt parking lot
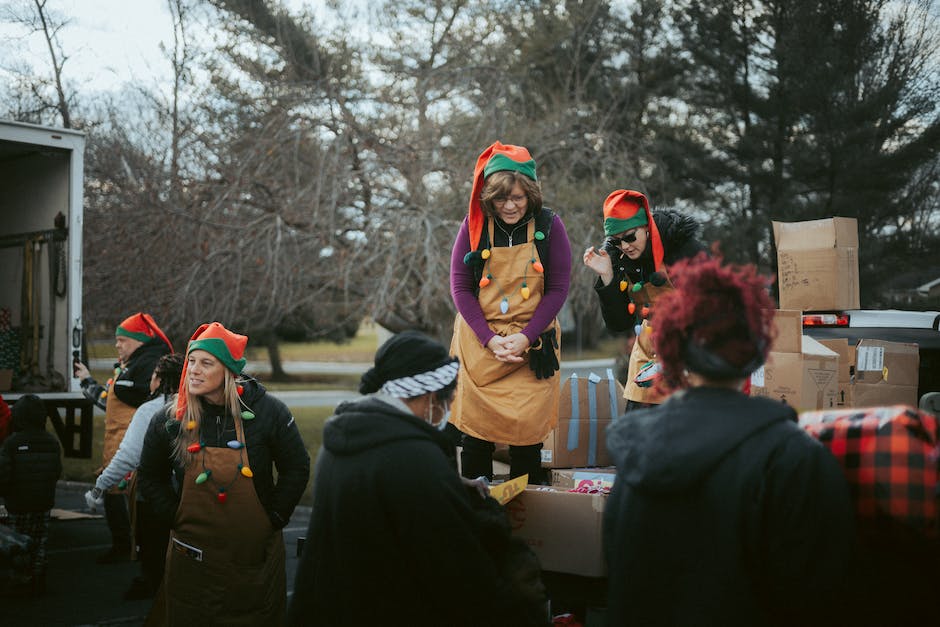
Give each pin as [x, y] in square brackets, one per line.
[82, 592]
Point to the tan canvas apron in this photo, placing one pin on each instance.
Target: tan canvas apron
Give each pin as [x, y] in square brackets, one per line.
[498, 401]
[117, 417]
[240, 578]
[643, 351]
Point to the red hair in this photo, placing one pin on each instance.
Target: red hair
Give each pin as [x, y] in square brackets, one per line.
[727, 309]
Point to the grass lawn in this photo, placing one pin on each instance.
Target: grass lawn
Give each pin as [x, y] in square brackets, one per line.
[309, 420]
[360, 349]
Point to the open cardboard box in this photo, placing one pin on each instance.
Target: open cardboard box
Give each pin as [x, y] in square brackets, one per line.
[564, 529]
[817, 264]
[799, 370]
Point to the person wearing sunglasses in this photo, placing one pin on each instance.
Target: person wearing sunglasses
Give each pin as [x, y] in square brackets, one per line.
[631, 268]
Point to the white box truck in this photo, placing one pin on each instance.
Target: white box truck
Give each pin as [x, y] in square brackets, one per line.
[41, 178]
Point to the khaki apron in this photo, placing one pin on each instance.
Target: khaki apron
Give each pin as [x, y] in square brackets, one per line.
[643, 351]
[230, 567]
[117, 417]
[498, 401]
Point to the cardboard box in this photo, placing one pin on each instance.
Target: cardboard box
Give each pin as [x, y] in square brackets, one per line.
[6, 379]
[846, 351]
[789, 325]
[584, 478]
[564, 529]
[886, 373]
[585, 410]
[806, 379]
[817, 264]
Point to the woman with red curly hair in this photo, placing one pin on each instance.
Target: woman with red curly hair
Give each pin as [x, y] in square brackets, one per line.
[724, 512]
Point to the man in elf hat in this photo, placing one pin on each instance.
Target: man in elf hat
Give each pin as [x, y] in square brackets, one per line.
[509, 275]
[631, 268]
[140, 343]
[208, 469]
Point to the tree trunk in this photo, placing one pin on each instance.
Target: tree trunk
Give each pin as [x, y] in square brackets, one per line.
[274, 354]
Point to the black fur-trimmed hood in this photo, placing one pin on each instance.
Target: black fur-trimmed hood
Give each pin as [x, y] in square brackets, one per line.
[680, 235]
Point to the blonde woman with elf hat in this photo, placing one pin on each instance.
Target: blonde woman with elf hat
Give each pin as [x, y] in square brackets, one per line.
[509, 274]
[631, 268]
[222, 442]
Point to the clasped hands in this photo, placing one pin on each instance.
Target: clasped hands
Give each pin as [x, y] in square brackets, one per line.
[510, 348]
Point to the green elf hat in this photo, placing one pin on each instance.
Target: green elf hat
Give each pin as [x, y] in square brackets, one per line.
[496, 158]
[627, 209]
[224, 345]
[141, 327]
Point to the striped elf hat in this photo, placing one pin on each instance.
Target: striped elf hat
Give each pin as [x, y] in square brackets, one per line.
[496, 158]
[224, 345]
[626, 209]
[141, 327]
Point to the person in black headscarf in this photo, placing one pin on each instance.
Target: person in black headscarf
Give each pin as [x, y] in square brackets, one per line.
[395, 535]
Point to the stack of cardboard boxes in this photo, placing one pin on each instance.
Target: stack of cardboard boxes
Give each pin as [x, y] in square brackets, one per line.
[817, 264]
[563, 522]
[818, 271]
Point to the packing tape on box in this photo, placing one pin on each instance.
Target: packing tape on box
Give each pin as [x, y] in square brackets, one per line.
[592, 412]
[574, 425]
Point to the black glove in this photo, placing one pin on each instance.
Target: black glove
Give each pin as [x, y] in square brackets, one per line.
[543, 357]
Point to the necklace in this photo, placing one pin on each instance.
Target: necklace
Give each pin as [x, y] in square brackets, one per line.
[241, 468]
[523, 287]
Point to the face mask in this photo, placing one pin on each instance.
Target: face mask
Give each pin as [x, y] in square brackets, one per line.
[440, 426]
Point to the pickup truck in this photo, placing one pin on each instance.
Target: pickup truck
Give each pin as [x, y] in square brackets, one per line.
[891, 325]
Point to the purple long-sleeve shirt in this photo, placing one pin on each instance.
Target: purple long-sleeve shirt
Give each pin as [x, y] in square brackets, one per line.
[557, 279]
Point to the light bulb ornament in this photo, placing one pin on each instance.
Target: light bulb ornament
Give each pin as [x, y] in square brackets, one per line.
[523, 288]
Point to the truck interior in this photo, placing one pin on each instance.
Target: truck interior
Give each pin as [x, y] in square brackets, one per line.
[38, 332]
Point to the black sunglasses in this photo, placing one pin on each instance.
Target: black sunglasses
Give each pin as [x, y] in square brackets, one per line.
[629, 238]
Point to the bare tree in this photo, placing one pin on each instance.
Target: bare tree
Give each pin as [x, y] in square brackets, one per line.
[39, 19]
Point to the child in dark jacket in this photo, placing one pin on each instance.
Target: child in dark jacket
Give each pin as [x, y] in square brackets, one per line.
[30, 466]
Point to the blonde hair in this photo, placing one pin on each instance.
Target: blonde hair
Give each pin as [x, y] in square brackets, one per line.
[193, 413]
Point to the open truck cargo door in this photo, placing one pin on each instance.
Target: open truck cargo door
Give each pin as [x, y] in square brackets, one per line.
[41, 175]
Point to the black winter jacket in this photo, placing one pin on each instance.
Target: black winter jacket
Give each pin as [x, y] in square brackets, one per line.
[132, 386]
[679, 235]
[30, 467]
[272, 440]
[723, 512]
[394, 538]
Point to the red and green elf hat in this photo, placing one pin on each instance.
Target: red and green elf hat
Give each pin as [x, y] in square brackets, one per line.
[224, 345]
[141, 327]
[622, 212]
[496, 158]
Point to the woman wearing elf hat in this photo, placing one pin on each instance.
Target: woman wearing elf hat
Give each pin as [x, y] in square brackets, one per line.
[631, 270]
[225, 437]
[140, 344]
[509, 275]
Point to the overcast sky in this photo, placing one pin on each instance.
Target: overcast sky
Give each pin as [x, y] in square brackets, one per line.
[108, 42]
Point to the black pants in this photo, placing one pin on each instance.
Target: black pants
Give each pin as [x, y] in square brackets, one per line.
[119, 521]
[152, 538]
[476, 460]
